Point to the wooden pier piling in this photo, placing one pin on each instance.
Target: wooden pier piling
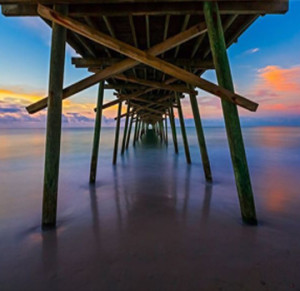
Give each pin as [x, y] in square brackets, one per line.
[183, 131]
[232, 122]
[97, 130]
[125, 129]
[201, 138]
[129, 132]
[54, 115]
[173, 128]
[166, 130]
[117, 133]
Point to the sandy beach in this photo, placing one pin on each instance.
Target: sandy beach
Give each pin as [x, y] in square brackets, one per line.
[151, 222]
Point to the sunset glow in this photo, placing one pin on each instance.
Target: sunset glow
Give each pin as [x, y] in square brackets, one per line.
[266, 70]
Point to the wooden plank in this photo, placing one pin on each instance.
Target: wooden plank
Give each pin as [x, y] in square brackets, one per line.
[232, 122]
[97, 129]
[53, 132]
[146, 58]
[96, 8]
[122, 66]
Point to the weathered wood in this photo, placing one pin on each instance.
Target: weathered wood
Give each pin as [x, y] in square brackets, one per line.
[195, 63]
[145, 58]
[125, 129]
[129, 132]
[232, 122]
[183, 28]
[122, 66]
[154, 84]
[17, 8]
[183, 131]
[201, 138]
[117, 133]
[53, 133]
[123, 87]
[97, 129]
[173, 127]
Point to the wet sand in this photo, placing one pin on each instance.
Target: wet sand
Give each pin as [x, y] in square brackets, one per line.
[151, 222]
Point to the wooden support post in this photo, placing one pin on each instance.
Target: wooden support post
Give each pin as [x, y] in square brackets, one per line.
[183, 131]
[53, 133]
[160, 131]
[129, 132]
[232, 122]
[141, 130]
[173, 127]
[201, 138]
[125, 129]
[166, 130]
[117, 134]
[135, 131]
[97, 130]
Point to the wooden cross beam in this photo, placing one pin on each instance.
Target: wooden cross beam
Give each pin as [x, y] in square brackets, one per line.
[124, 65]
[147, 108]
[146, 58]
[157, 85]
[194, 63]
[159, 102]
[124, 86]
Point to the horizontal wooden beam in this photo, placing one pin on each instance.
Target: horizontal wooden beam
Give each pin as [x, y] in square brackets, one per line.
[154, 84]
[124, 65]
[97, 63]
[146, 58]
[96, 8]
[123, 87]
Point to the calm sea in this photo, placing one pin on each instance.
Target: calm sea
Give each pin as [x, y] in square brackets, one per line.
[149, 190]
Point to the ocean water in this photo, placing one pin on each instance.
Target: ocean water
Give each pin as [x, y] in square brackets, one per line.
[151, 222]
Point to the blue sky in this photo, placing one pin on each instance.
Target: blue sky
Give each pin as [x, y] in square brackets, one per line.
[265, 63]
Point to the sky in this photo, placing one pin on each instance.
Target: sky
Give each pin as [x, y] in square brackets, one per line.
[265, 65]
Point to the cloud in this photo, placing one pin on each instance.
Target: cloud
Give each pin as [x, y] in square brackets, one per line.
[252, 51]
[281, 79]
[9, 110]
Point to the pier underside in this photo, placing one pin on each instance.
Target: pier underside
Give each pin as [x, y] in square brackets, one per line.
[153, 53]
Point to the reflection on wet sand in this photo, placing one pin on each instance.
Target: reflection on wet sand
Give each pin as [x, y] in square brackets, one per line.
[151, 222]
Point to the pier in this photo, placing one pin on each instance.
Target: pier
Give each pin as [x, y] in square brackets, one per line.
[153, 54]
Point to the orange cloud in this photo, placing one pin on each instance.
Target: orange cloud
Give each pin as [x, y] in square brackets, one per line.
[280, 79]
